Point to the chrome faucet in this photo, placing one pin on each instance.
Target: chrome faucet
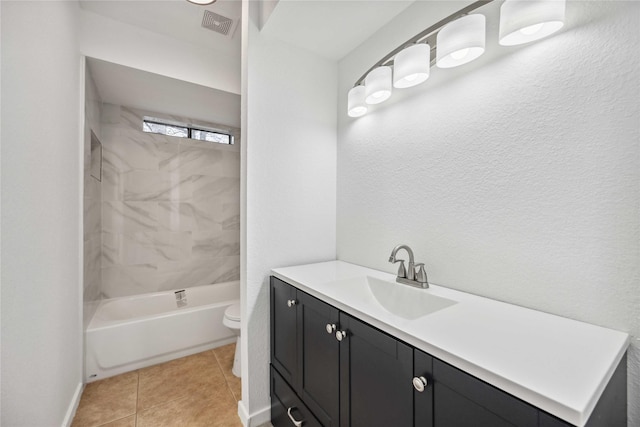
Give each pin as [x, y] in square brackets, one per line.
[415, 274]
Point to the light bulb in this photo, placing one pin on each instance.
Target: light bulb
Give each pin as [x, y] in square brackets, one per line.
[531, 29]
[459, 54]
[358, 111]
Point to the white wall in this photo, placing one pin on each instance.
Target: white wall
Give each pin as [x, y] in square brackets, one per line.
[132, 46]
[289, 138]
[41, 212]
[516, 177]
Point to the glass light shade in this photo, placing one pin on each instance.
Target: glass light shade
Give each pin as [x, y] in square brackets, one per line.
[523, 21]
[202, 2]
[356, 106]
[378, 85]
[461, 41]
[411, 66]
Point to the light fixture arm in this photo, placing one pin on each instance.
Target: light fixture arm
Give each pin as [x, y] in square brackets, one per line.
[426, 35]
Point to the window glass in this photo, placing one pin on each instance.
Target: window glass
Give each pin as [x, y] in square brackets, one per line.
[154, 126]
[204, 135]
[165, 129]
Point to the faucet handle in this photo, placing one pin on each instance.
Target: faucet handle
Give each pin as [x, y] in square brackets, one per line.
[421, 273]
[402, 272]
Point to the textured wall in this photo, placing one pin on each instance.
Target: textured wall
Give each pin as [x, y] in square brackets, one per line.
[92, 203]
[515, 177]
[41, 213]
[171, 207]
[289, 123]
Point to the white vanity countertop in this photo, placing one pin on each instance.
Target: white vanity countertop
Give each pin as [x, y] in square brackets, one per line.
[556, 364]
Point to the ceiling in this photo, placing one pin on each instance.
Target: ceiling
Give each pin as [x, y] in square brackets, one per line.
[175, 18]
[122, 85]
[331, 28]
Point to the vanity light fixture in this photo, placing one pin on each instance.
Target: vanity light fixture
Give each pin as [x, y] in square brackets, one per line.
[457, 39]
[377, 85]
[202, 2]
[523, 21]
[461, 41]
[411, 65]
[356, 105]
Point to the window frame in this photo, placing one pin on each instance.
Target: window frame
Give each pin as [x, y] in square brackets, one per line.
[189, 129]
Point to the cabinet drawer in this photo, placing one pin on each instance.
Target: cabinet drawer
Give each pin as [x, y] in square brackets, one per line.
[287, 410]
[462, 400]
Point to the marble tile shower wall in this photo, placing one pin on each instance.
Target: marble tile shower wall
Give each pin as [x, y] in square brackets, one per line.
[92, 206]
[170, 207]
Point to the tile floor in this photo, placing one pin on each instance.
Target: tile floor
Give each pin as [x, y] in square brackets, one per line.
[197, 390]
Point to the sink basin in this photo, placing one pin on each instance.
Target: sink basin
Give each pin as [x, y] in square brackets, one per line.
[398, 299]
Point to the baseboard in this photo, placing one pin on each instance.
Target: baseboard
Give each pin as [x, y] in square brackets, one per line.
[73, 405]
[256, 419]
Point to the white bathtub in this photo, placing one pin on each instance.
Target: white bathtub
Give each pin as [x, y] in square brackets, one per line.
[134, 332]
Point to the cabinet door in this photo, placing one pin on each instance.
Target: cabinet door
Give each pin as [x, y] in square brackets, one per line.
[461, 400]
[376, 371]
[318, 359]
[283, 329]
[423, 400]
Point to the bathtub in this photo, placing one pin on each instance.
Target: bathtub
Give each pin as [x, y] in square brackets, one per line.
[133, 332]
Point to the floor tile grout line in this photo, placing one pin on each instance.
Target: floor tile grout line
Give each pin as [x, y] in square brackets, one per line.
[135, 421]
[224, 375]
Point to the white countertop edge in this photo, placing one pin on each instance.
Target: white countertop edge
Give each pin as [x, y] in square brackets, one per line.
[575, 416]
[588, 410]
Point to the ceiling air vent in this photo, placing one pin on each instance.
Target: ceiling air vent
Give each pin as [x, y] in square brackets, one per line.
[218, 23]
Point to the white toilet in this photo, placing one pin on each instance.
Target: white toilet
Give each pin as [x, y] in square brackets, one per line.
[232, 321]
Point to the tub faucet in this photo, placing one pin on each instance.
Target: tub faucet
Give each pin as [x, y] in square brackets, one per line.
[414, 274]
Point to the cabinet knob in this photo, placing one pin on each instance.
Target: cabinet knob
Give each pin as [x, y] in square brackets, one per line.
[291, 302]
[419, 383]
[340, 335]
[331, 327]
[293, 420]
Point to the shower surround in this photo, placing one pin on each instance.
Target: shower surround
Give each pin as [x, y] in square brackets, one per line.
[92, 200]
[170, 206]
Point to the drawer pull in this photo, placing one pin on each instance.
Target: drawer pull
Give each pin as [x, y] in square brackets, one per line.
[340, 335]
[291, 302]
[419, 383]
[331, 327]
[293, 420]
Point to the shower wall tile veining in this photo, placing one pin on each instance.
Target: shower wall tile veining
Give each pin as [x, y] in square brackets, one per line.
[170, 207]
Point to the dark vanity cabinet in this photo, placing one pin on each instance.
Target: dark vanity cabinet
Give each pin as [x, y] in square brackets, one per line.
[341, 370]
[464, 401]
[330, 369]
[375, 377]
[305, 353]
[284, 320]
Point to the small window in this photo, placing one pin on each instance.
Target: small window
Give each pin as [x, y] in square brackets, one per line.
[206, 135]
[184, 131]
[165, 129]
